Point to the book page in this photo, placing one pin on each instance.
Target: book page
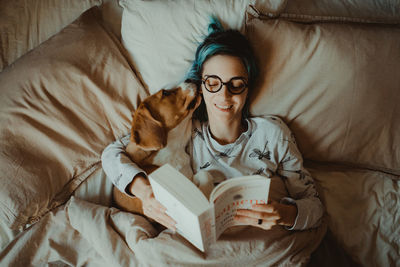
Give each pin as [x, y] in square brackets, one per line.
[240, 194]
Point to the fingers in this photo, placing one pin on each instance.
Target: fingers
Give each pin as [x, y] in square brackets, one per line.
[261, 215]
[259, 211]
[154, 210]
[252, 217]
[267, 223]
[264, 207]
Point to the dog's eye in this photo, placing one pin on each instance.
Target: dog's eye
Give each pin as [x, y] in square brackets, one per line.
[166, 92]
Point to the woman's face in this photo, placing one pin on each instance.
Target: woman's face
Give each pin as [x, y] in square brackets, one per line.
[224, 106]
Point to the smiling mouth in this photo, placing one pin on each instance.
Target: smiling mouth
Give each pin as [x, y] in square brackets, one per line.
[224, 107]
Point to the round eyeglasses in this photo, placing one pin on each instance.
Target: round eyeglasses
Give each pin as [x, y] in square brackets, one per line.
[235, 86]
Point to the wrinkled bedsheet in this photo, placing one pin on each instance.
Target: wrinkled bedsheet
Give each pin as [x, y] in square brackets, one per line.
[85, 234]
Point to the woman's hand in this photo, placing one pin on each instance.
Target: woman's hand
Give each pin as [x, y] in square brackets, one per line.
[141, 188]
[267, 215]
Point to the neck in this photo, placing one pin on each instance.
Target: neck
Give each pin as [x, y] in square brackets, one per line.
[228, 131]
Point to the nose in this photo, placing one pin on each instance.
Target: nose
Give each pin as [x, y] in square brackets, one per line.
[224, 91]
[189, 86]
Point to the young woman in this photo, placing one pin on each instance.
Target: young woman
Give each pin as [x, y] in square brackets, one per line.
[228, 143]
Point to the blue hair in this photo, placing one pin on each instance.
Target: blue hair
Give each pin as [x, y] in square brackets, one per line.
[222, 42]
[215, 25]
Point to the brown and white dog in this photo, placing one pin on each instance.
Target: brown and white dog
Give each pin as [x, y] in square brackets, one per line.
[161, 128]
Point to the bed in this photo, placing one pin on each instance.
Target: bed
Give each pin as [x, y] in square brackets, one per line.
[73, 71]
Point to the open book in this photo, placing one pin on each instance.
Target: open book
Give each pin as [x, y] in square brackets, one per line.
[199, 220]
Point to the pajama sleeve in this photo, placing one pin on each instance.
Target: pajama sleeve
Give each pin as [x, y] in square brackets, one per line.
[118, 166]
[299, 183]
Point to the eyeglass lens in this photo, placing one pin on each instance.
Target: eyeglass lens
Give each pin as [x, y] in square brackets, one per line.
[236, 85]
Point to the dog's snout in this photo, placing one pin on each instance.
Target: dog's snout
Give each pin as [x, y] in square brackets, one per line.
[191, 87]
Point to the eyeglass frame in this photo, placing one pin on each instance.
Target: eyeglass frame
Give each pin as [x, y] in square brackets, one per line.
[228, 84]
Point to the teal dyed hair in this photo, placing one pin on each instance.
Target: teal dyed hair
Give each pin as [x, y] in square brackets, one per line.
[222, 42]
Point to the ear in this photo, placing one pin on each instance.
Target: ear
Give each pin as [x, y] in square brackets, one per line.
[148, 133]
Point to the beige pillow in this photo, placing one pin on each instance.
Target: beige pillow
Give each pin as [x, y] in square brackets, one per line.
[161, 37]
[26, 24]
[368, 11]
[337, 85]
[61, 105]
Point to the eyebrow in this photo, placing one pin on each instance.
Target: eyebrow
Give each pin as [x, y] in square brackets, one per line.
[241, 77]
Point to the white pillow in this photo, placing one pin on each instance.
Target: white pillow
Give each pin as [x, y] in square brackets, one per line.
[161, 37]
[26, 24]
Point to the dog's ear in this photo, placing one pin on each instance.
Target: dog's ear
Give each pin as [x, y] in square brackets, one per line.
[148, 133]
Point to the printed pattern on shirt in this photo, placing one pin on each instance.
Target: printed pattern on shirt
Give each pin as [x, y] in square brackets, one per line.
[257, 153]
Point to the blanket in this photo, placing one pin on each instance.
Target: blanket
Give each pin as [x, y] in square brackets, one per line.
[81, 233]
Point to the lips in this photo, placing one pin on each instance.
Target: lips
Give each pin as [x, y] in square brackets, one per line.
[223, 107]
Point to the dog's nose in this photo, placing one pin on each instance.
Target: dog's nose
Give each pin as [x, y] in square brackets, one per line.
[189, 86]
